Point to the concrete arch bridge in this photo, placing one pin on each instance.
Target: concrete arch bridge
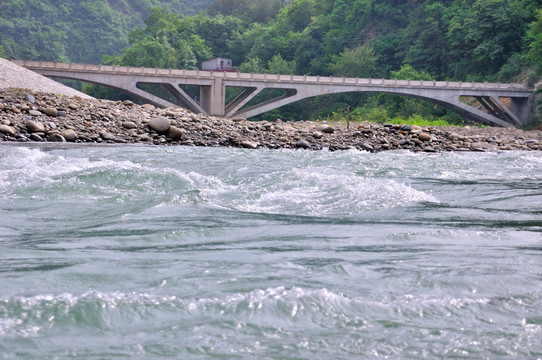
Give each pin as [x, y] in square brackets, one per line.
[213, 89]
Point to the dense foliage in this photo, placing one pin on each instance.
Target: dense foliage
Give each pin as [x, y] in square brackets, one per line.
[464, 40]
[78, 31]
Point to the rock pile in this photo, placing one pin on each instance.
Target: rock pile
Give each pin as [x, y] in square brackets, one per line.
[29, 116]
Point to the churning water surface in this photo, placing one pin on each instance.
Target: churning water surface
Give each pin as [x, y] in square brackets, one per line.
[195, 253]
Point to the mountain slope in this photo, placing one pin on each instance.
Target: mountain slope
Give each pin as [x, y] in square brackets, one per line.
[77, 31]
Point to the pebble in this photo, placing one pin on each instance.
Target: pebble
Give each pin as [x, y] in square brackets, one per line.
[56, 138]
[129, 125]
[424, 136]
[50, 111]
[303, 144]
[326, 129]
[249, 144]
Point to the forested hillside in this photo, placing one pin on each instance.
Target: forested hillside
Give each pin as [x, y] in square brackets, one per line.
[464, 40]
[461, 40]
[78, 31]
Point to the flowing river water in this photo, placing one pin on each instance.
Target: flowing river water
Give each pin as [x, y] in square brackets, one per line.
[194, 253]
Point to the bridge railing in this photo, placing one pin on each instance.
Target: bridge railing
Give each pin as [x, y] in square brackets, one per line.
[72, 67]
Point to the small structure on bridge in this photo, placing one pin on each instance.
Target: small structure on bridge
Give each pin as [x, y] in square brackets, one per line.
[218, 64]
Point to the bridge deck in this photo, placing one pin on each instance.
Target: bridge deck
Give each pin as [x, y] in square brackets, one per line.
[255, 77]
[212, 89]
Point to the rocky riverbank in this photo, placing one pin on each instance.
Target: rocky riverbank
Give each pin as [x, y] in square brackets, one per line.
[31, 116]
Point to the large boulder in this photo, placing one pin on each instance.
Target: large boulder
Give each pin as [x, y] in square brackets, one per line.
[8, 130]
[34, 126]
[160, 124]
[70, 135]
[55, 137]
[174, 133]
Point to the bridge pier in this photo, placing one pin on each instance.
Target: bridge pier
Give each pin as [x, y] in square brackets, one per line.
[522, 108]
[213, 97]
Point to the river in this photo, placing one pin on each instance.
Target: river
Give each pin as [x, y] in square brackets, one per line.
[120, 251]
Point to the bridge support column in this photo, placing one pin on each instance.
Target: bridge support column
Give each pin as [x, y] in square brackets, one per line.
[522, 108]
[213, 98]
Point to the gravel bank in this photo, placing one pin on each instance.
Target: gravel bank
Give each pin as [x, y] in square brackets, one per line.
[33, 116]
[15, 76]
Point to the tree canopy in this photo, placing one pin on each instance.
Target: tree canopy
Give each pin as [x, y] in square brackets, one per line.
[77, 31]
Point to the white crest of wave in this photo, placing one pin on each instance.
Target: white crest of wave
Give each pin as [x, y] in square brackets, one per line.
[24, 167]
[323, 192]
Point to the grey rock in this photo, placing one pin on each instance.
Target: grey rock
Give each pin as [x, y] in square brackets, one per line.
[174, 133]
[56, 138]
[303, 144]
[108, 136]
[35, 113]
[249, 144]
[35, 126]
[8, 130]
[424, 136]
[326, 129]
[30, 98]
[36, 137]
[70, 135]
[129, 125]
[159, 124]
[144, 137]
[50, 111]
[483, 146]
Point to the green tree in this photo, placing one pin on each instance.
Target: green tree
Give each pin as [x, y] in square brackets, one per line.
[483, 35]
[424, 42]
[534, 39]
[252, 65]
[277, 65]
[358, 62]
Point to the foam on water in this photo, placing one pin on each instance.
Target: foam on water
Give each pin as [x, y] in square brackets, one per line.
[315, 192]
[277, 309]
